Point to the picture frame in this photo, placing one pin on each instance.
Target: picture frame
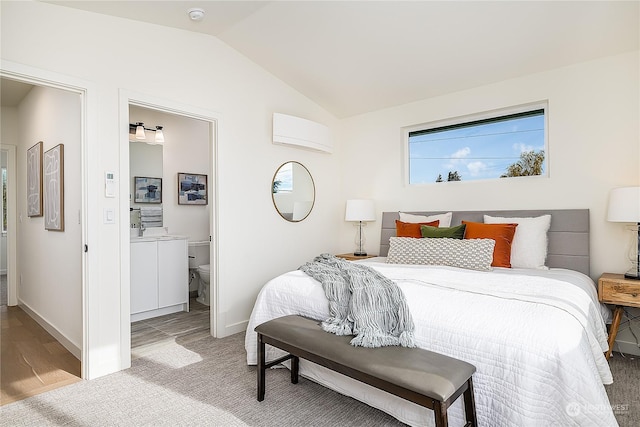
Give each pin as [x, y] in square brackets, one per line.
[147, 189]
[53, 188]
[192, 189]
[34, 180]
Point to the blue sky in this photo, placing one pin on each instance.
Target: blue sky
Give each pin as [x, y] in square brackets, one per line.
[477, 152]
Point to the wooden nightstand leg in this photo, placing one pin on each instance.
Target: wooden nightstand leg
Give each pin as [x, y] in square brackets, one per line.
[615, 324]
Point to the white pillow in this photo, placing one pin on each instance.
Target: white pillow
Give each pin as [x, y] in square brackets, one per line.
[529, 246]
[445, 218]
[474, 254]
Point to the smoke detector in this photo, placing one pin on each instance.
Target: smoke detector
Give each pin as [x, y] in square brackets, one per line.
[196, 14]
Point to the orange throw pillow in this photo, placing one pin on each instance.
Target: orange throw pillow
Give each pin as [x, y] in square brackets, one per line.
[412, 229]
[501, 233]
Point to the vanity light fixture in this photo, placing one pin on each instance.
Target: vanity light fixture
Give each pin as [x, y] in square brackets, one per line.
[139, 131]
[159, 135]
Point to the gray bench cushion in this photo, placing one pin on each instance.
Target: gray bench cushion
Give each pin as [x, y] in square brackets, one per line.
[422, 371]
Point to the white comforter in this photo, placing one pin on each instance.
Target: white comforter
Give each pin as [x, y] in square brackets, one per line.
[536, 338]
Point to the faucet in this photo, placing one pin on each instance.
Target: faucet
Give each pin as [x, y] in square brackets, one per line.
[141, 230]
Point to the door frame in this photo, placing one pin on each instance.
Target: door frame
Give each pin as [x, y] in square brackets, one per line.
[127, 98]
[12, 224]
[89, 189]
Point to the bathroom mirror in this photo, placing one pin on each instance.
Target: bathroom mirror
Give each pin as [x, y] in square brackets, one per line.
[144, 161]
[293, 191]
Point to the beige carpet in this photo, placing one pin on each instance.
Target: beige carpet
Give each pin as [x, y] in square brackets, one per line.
[207, 382]
[624, 393]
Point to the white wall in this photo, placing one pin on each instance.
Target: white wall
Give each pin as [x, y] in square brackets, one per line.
[594, 146]
[201, 71]
[49, 262]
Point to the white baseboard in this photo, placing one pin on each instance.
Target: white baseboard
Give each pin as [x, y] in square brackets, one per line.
[234, 329]
[73, 349]
[159, 312]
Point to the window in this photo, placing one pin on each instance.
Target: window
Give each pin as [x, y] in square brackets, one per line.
[283, 181]
[504, 145]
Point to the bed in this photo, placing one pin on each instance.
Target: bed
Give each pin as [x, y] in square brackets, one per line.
[537, 336]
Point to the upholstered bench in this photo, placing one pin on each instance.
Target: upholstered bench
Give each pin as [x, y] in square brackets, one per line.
[429, 379]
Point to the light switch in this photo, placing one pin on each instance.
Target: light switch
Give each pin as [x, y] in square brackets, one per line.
[109, 216]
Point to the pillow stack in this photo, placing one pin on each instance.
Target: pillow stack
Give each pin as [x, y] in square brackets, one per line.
[515, 242]
[529, 246]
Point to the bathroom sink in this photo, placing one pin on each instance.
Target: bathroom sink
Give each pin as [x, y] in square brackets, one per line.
[155, 238]
[153, 234]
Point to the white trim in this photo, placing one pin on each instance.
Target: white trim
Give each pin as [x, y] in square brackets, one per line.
[66, 342]
[12, 225]
[127, 98]
[234, 328]
[89, 210]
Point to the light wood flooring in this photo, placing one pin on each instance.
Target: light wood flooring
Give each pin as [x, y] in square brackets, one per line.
[33, 362]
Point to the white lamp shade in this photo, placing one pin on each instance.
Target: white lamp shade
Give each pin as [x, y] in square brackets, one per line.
[159, 135]
[140, 131]
[360, 210]
[624, 205]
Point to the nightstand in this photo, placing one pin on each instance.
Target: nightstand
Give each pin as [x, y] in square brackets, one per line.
[615, 289]
[352, 257]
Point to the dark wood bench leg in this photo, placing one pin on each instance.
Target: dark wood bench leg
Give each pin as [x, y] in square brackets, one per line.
[295, 366]
[470, 405]
[261, 368]
[440, 412]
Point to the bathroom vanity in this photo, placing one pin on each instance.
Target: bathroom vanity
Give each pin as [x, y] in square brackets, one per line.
[159, 276]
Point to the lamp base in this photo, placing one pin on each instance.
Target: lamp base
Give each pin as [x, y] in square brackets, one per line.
[360, 253]
[632, 274]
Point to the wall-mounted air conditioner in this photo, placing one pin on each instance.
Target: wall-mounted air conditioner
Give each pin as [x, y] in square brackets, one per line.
[303, 133]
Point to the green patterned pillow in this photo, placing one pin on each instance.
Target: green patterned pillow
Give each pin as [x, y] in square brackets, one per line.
[456, 232]
[473, 254]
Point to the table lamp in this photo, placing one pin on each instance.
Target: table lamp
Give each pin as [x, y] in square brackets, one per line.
[624, 206]
[359, 210]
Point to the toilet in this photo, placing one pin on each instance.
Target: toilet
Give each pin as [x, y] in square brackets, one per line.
[203, 287]
[199, 270]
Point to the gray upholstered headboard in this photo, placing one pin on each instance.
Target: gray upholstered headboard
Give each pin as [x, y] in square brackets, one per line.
[568, 234]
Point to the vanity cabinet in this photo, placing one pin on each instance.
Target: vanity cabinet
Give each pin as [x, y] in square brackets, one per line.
[159, 277]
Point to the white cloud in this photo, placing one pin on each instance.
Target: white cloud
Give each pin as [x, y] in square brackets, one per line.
[523, 148]
[476, 168]
[461, 153]
[458, 158]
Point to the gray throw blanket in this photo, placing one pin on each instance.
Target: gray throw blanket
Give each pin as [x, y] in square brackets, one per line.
[362, 302]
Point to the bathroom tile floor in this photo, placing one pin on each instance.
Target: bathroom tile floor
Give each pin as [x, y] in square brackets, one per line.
[151, 334]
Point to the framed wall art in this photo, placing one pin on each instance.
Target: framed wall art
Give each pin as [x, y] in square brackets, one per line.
[53, 188]
[34, 180]
[148, 189]
[192, 189]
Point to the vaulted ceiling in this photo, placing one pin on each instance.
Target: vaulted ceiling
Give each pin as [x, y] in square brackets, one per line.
[353, 57]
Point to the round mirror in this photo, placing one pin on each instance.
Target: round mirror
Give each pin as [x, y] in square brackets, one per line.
[293, 191]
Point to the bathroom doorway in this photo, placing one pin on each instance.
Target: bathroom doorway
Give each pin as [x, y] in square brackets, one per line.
[188, 148]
